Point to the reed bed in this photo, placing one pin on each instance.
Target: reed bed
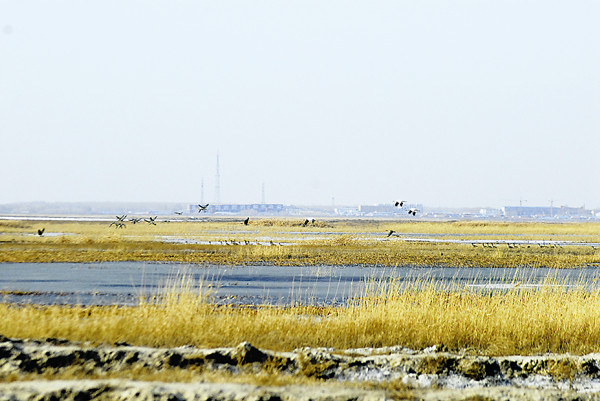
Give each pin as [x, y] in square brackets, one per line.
[282, 225]
[287, 242]
[526, 318]
[366, 254]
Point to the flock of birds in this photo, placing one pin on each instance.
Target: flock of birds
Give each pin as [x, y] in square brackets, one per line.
[400, 204]
[120, 221]
[518, 245]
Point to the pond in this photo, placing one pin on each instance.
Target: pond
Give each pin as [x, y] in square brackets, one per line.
[123, 283]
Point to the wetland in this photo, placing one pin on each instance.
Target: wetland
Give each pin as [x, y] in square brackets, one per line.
[497, 310]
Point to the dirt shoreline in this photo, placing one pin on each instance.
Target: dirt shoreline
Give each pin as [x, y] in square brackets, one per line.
[142, 391]
[383, 373]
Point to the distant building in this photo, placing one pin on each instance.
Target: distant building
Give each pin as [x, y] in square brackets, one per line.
[387, 209]
[546, 211]
[346, 211]
[487, 212]
[241, 208]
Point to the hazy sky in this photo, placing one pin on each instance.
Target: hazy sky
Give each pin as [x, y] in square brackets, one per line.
[444, 103]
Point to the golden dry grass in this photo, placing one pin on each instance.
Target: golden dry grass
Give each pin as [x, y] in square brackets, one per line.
[518, 321]
[335, 242]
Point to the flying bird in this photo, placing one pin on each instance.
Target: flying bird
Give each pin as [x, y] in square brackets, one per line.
[413, 211]
[202, 208]
[246, 221]
[151, 220]
[399, 203]
[41, 231]
[120, 222]
[391, 232]
[178, 213]
[305, 223]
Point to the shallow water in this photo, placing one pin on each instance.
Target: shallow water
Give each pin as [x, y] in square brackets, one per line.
[123, 283]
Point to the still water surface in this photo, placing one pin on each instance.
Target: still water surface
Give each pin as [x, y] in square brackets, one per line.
[123, 283]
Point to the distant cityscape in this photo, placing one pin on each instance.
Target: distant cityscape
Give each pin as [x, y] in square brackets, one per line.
[181, 210]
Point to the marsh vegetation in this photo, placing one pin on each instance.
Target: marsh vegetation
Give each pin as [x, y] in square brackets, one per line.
[288, 242]
[553, 317]
[520, 320]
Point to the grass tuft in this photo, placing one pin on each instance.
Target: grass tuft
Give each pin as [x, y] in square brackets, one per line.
[419, 314]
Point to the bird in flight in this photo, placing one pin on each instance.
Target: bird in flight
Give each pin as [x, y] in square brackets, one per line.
[399, 203]
[246, 221]
[151, 220]
[120, 222]
[41, 231]
[202, 208]
[413, 211]
[391, 232]
[178, 213]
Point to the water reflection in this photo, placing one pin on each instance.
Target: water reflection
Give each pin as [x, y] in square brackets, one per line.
[123, 283]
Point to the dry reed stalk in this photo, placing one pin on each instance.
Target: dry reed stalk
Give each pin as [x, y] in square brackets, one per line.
[418, 314]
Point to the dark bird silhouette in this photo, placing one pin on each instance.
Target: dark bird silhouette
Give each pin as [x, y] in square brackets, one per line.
[135, 220]
[41, 232]
[151, 220]
[305, 223]
[178, 213]
[399, 203]
[202, 208]
[246, 221]
[391, 232]
[413, 211]
[120, 222]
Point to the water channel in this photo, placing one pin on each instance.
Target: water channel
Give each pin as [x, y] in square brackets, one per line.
[123, 283]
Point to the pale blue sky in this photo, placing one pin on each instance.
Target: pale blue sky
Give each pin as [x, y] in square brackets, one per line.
[444, 103]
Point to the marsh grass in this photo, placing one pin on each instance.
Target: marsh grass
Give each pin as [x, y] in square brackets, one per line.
[524, 318]
[343, 242]
[492, 227]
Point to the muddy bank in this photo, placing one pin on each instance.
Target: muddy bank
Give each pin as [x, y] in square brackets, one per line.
[135, 390]
[385, 373]
[145, 391]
